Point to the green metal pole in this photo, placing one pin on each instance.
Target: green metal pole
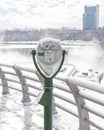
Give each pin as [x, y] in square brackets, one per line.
[46, 99]
[48, 108]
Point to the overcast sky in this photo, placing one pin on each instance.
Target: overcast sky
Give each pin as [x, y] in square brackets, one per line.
[45, 13]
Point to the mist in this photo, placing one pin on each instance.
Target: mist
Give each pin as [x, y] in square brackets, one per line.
[86, 56]
[15, 56]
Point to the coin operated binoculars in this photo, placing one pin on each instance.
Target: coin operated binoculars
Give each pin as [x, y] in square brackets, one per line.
[48, 60]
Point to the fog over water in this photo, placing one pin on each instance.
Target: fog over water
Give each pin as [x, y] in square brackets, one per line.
[86, 57]
[83, 56]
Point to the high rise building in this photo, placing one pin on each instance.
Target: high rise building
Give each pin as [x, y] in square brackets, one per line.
[91, 17]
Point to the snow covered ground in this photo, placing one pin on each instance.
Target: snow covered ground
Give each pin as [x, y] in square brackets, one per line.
[16, 116]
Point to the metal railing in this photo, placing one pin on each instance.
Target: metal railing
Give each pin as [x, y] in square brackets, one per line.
[81, 98]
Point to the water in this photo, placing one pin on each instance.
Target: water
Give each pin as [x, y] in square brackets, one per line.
[15, 55]
[84, 56]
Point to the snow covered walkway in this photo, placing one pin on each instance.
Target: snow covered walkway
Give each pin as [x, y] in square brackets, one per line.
[16, 116]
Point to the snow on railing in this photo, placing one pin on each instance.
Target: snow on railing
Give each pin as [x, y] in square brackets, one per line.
[81, 98]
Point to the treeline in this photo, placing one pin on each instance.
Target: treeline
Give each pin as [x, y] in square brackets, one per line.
[62, 34]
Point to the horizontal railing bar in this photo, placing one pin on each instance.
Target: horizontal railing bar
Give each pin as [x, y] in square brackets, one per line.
[92, 110]
[30, 78]
[61, 87]
[25, 68]
[93, 124]
[91, 98]
[66, 109]
[62, 97]
[15, 88]
[6, 65]
[8, 72]
[34, 86]
[86, 84]
[32, 94]
[61, 78]
[12, 80]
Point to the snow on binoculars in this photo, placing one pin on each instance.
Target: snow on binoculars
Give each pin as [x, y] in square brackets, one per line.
[49, 55]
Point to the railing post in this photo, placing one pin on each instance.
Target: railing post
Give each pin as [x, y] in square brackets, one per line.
[4, 82]
[26, 96]
[83, 114]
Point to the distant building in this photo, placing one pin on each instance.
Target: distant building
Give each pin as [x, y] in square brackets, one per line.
[91, 17]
